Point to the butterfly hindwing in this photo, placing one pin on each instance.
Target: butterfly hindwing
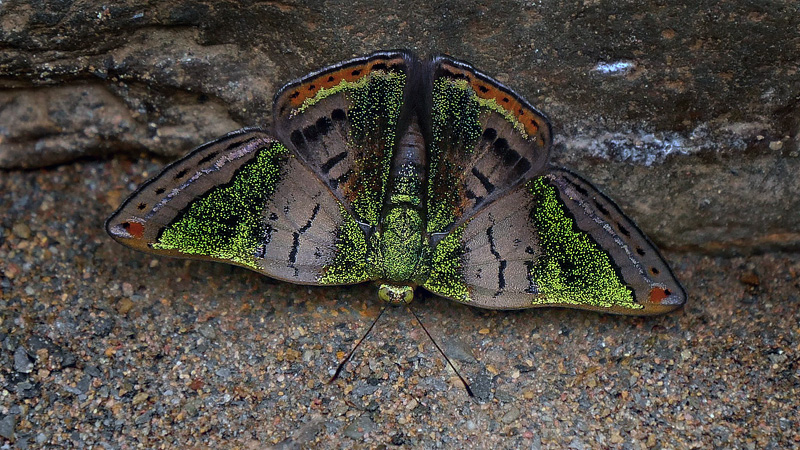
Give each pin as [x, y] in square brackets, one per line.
[485, 140]
[556, 241]
[342, 122]
[244, 199]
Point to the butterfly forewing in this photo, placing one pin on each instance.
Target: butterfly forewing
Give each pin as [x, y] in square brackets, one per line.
[485, 140]
[556, 241]
[342, 121]
[245, 200]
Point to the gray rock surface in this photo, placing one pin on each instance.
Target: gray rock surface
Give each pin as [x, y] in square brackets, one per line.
[686, 113]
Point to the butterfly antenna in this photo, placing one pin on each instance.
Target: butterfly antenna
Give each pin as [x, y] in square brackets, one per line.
[349, 355]
[466, 385]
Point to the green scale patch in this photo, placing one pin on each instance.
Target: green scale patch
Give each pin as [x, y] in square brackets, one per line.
[349, 266]
[456, 129]
[376, 100]
[573, 269]
[446, 270]
[226, 223]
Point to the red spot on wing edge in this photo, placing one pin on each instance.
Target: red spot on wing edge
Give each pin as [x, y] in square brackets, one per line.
[657, 294]
[135, 229]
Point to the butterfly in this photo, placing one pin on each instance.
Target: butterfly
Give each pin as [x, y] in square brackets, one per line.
[411, 174]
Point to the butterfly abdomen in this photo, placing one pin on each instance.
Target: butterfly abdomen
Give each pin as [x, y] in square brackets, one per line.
[399, 246]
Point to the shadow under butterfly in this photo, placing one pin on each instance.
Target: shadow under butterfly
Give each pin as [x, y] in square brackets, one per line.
[408, 173]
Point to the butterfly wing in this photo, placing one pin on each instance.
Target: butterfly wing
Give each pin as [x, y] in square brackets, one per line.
[342, 122]
[244, 199]
[555, 241]
[485, 140]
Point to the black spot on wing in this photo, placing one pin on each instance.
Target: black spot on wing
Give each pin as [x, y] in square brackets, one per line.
[208, 158]
[490, 134]
[492, 247]
[311, 133]
[484, 180]
[182, 173]
[308, 224]
[501, 277]
[600, 207]
[324, 125]
[507, 154]
[332, 162]
[297, 138]
[623, 230]
[335, 182]
[470, 194]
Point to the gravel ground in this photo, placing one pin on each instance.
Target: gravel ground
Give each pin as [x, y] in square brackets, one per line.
[103, 347]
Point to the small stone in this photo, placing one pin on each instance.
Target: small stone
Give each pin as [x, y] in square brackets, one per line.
[511, 415]
[207, 331]
[140, 397]
[775, 145]
[359, 427]
[7, 425]
[750, 278]
[21, 230]
[22, 362]
[124, 305]
[127, 289]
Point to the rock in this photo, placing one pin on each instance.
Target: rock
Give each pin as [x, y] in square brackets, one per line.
[7, 425]
[21, 230]
[690, 123]
[358, 427]
[511, 415]
[22, 362]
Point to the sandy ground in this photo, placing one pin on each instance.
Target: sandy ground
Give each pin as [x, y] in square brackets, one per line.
[103, 347]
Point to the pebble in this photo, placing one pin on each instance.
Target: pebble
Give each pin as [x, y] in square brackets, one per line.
[7, 425]
[511, 415]
[22, 362]
[21, 230]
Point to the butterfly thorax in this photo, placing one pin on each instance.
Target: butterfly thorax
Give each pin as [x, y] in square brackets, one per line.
[399, 252]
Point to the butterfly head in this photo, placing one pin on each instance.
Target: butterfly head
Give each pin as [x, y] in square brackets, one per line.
[396, 294]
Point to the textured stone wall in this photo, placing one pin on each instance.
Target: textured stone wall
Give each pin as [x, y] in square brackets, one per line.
[687, 113]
